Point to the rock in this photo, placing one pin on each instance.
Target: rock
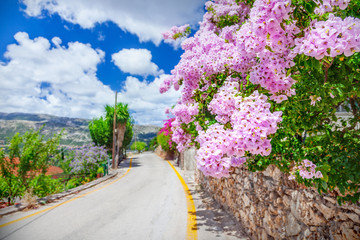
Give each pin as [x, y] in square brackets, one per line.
[247, 184]
[333, 201]
[272, 210]
[353, 217]
[292, 227]
[286, 200]
[326, 211]
[308, 194]
[310, 218]
[246, 200]
[347, 232]
[263, 235]
[337, 237]
[307, 233]
[342, 216]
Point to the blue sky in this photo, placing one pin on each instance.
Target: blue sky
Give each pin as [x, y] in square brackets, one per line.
[68, 57]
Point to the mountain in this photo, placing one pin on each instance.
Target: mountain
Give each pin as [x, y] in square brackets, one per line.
[76, 131]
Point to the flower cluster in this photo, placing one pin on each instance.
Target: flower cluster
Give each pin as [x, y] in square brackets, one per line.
[332, 37]
[177, 32]
[185, 112]
[252, 123]
[237, 46]
[223, 103]
[87, 157]
[166, 130]
[314, 99]
[180, 137]
[327, 5]
[306, 170]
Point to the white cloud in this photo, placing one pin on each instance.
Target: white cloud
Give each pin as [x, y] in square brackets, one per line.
[146, 19]
[144, 98]
[58, 80]
[61, 80]
[136, 61]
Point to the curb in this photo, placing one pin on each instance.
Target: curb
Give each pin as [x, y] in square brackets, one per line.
[57, 196]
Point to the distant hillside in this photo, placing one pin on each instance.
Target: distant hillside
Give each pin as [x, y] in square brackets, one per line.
[76, 132]
[145, 133]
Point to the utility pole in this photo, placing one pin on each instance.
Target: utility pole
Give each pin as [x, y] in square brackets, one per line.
[114, 164]
[135, 141]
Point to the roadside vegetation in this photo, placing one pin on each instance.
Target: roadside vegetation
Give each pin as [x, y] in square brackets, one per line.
[34, 166]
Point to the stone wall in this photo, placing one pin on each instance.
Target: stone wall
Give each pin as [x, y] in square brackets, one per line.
[272, 207]
[167, 155]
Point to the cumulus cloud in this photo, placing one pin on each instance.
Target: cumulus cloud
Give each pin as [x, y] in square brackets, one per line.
[136, 61]
[43, 76]
[146, 101]
[40, 77]
[146, 19]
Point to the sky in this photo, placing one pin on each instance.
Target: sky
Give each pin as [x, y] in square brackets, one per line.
[68, 57]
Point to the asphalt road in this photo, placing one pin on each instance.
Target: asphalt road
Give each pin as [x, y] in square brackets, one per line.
[148, 202]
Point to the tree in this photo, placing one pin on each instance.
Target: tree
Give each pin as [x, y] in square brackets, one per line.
[101, 129]
[129, 133]
[29, 156]
[138, 146]
[100, 132]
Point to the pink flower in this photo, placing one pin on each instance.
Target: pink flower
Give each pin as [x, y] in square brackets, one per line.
[318, 174]
[177, 32]
[314, 99]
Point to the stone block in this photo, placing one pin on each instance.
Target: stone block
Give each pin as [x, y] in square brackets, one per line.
[354, 217]
[326, 211]
[292, 227]
[246, 201]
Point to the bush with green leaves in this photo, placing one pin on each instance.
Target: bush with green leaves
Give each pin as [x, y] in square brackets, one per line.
[30, 155]
[153, 143]
[43, 185]
[138, 146]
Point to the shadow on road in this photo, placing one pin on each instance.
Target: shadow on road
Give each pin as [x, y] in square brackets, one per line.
[126, 163]
[211, 217]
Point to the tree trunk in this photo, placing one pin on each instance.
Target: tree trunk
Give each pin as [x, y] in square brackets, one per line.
[121, 127]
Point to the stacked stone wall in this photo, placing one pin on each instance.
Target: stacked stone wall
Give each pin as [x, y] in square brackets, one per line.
[272, 207]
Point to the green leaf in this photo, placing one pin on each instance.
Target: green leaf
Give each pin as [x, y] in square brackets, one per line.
[324, 185]
[325, 177]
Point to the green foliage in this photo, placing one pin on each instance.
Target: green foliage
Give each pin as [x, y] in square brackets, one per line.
[29, 158]
[138, 146]
[101, 129]
[43, 185]
[316, 132]
[153, 143]
[100, 170]
[100, 132]
[73, 183]
[122, 113]
[313, 132]
[10, 188]
[163, 141]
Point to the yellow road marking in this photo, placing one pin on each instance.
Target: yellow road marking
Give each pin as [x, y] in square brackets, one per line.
[70, 200]
[191, 230]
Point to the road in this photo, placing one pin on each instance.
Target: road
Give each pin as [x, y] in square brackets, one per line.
[146, 202]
